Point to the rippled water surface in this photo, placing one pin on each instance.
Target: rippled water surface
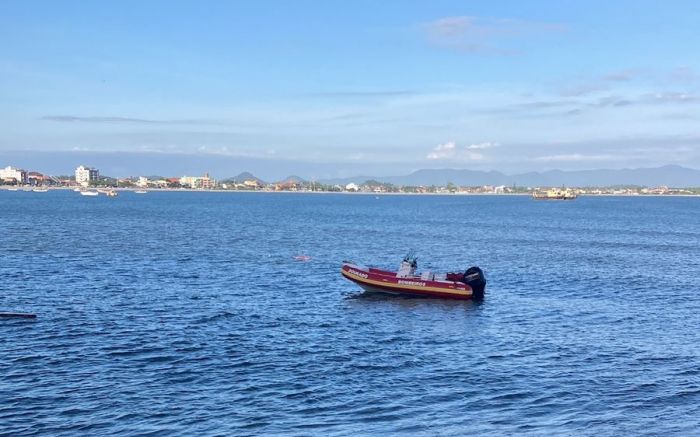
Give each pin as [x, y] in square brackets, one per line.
[186, 313]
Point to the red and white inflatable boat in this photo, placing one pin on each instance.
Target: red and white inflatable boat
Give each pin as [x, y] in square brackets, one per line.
[459, 285]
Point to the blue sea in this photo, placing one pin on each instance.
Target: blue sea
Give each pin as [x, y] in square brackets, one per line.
[185, 313]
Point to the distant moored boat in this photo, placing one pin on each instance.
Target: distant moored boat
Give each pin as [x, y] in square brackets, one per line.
[554, 194]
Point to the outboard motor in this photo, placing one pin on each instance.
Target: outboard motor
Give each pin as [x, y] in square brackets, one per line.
[475, 278]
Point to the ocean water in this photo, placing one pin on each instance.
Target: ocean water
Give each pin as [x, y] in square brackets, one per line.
[185, 313]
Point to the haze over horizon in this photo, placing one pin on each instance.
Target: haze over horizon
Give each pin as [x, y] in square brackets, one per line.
[333, 89]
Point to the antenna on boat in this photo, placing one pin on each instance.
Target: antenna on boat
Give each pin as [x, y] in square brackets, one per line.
[410, 258]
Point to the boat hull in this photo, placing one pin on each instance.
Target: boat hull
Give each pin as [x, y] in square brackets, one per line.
[378, 281]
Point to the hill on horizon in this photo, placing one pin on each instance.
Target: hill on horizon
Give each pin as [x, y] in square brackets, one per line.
[293, 180]
[245, 176]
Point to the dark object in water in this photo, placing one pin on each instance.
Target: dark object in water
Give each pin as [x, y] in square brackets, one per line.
[18, 315]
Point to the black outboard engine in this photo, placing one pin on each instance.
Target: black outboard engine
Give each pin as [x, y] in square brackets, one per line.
[475, 278]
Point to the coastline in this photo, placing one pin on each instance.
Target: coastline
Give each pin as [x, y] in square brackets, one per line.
[354, 193]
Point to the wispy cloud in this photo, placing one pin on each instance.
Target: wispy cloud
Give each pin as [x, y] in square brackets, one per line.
[128, 120]
[620, 76]
[477, 35]
[684, 74]
[669, 97]
[451, 151]
[574, 104]
[602, 82]
[574, 157]
[583, 89]
[541, 104]
[481, 146]
[442, 151]
[364, 93]
[660, 98]
[679, 76]
[535, 109]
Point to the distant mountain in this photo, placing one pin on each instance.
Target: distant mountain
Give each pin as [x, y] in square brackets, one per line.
[433, 177]
[669, 175]
[445, 176]
[293, 180]
[245, 176]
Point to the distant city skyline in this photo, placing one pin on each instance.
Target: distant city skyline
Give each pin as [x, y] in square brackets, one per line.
[336, 89]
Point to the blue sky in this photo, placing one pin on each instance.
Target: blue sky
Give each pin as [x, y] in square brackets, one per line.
[391, 86]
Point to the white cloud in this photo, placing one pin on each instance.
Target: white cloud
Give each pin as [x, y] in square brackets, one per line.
[442, 151]
[482, 146]
[450, 151]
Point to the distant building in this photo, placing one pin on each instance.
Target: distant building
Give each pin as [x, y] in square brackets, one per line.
[287, 186]
[36, 178]
[207, 182]
[10, 174]
[188, 181]
[252, 183]
[203, 182]
[142, 182]
[173, 182]
[351, 187]
[85, 175]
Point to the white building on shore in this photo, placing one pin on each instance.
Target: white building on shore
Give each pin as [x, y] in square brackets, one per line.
[9, 172]
[85, 175]
[200, 182]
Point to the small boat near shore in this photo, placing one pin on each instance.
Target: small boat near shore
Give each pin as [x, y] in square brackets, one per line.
[109, 193]
[140, 192]
[470, 284]
[40, 190]
[89, 193]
